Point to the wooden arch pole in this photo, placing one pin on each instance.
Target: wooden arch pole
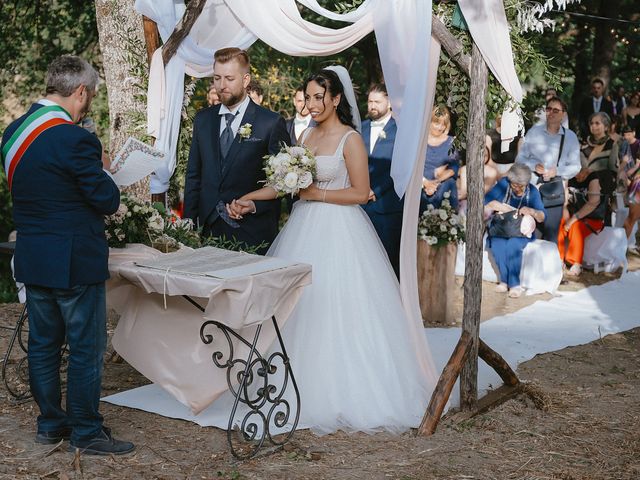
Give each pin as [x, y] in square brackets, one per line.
[475, 226]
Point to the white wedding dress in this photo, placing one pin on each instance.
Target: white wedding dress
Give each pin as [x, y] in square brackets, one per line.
[360, 363]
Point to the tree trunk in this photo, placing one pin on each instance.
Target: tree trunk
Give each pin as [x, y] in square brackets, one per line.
[582, 80]
[604, 43]
[475, 226]
[120, 32]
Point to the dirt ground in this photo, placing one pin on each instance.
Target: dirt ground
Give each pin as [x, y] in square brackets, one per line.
[581, 423]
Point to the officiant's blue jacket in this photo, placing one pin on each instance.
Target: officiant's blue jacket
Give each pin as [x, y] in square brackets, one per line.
[386, 212]
[211, 179]
[60, 194]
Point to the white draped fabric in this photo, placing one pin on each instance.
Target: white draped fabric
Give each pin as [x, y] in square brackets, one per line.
[488, 26]
[407, 55]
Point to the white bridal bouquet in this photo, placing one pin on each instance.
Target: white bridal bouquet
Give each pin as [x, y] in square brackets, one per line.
[290, 170]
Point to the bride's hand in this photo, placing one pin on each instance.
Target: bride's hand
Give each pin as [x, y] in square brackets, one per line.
[312, 192]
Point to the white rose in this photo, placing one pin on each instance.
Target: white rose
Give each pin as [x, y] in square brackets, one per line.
[453, 231]
[305, 160]
[136, 208]
[432, 240]
[297, 151]
[291, 180]
[447, 194]
[443, 227]
[306, 179]
[156, 222]
[443, 214]
[453, 220]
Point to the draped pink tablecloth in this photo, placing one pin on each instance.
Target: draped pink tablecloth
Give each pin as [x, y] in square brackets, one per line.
[159, 331]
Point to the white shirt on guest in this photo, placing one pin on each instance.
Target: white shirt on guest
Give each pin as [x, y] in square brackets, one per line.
[376, 127]
[300, 124]
[240, 109]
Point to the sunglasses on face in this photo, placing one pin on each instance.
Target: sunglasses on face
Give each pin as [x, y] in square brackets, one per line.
[554, 110]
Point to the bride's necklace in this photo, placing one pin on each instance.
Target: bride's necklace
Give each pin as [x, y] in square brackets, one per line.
[595, 143]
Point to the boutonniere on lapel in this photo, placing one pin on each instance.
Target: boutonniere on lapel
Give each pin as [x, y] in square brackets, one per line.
[382, 135]
[245, 131]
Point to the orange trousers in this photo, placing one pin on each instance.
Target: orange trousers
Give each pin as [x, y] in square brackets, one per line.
[576, 235]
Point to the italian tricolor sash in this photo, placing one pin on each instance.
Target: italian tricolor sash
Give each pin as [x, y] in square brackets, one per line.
[42, 119]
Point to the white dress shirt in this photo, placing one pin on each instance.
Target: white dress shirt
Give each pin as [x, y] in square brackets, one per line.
[540, 146]
[300, 124]
[376, 128]
[240, 109]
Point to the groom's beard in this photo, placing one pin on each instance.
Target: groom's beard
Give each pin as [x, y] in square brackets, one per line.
[229, 99]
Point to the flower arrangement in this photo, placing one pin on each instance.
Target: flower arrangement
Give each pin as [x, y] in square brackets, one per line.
[137, 221]
[440, 226]
[290, 170]
[134, 222]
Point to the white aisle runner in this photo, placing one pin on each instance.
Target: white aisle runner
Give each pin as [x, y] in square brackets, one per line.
[572, 319]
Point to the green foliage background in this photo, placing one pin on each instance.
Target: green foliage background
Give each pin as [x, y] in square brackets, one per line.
[33, 33]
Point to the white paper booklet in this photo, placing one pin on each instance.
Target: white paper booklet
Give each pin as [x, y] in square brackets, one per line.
[134, 161]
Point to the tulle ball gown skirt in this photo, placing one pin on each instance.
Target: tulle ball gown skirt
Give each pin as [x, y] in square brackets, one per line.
[360, 363]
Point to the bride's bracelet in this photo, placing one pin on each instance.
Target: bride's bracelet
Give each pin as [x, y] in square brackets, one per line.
[324, 195]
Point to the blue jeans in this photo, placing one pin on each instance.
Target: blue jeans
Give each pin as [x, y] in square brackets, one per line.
[77, 314]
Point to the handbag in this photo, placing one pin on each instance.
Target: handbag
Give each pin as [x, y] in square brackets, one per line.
[552, 191]
[507, 225]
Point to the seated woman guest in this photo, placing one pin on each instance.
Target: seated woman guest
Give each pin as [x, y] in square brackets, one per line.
[514, 194]
[441, 166]
[601, 151]
[590, 193]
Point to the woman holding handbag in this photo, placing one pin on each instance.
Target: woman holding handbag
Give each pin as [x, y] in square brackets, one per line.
[515, 207]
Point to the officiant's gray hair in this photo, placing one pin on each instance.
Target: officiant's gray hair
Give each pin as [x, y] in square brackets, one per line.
[519, 173]
[67, 72]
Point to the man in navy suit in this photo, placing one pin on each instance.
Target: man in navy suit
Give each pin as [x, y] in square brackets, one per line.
[226, 159]
[384, 208]
[60, 194]
[597, 102]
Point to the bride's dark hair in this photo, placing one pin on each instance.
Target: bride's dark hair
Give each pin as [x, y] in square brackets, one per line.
[329, 80]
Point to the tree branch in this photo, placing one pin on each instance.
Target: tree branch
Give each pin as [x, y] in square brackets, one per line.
[191, 14]
[451, 44]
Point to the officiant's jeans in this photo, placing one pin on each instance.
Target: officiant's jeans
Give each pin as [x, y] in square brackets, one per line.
[77, 315]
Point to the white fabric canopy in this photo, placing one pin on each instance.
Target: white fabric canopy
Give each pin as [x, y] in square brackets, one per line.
[408, 57]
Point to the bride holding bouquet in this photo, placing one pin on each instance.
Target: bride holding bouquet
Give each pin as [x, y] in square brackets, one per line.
[361, 364]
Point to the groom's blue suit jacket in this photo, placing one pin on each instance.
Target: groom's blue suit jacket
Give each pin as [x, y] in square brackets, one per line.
[60, 194]
[211, 179]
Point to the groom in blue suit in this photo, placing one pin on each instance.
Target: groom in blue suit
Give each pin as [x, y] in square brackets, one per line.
[385, 207]
[227, 153]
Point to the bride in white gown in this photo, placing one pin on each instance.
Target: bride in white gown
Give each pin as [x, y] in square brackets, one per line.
[360, 363]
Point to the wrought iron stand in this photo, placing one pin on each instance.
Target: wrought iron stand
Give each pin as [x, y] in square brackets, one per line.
[20, 391]
[261, 411]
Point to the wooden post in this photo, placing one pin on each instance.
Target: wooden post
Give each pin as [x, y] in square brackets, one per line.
[495, 361]
[445, 385]
[151, 37]
[475, 226]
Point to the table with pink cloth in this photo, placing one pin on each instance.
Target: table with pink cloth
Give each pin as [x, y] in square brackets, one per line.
[159, 331]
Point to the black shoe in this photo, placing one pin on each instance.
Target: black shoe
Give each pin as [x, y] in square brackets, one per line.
[49, 438]
[102, 444]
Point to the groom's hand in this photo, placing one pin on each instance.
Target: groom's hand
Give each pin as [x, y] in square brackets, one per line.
[238, 208]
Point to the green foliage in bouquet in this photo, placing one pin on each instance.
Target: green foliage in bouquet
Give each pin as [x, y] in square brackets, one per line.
[151, 224]
[441, 226]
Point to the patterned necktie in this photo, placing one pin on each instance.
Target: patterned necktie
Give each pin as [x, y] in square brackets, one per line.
[226, 139]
